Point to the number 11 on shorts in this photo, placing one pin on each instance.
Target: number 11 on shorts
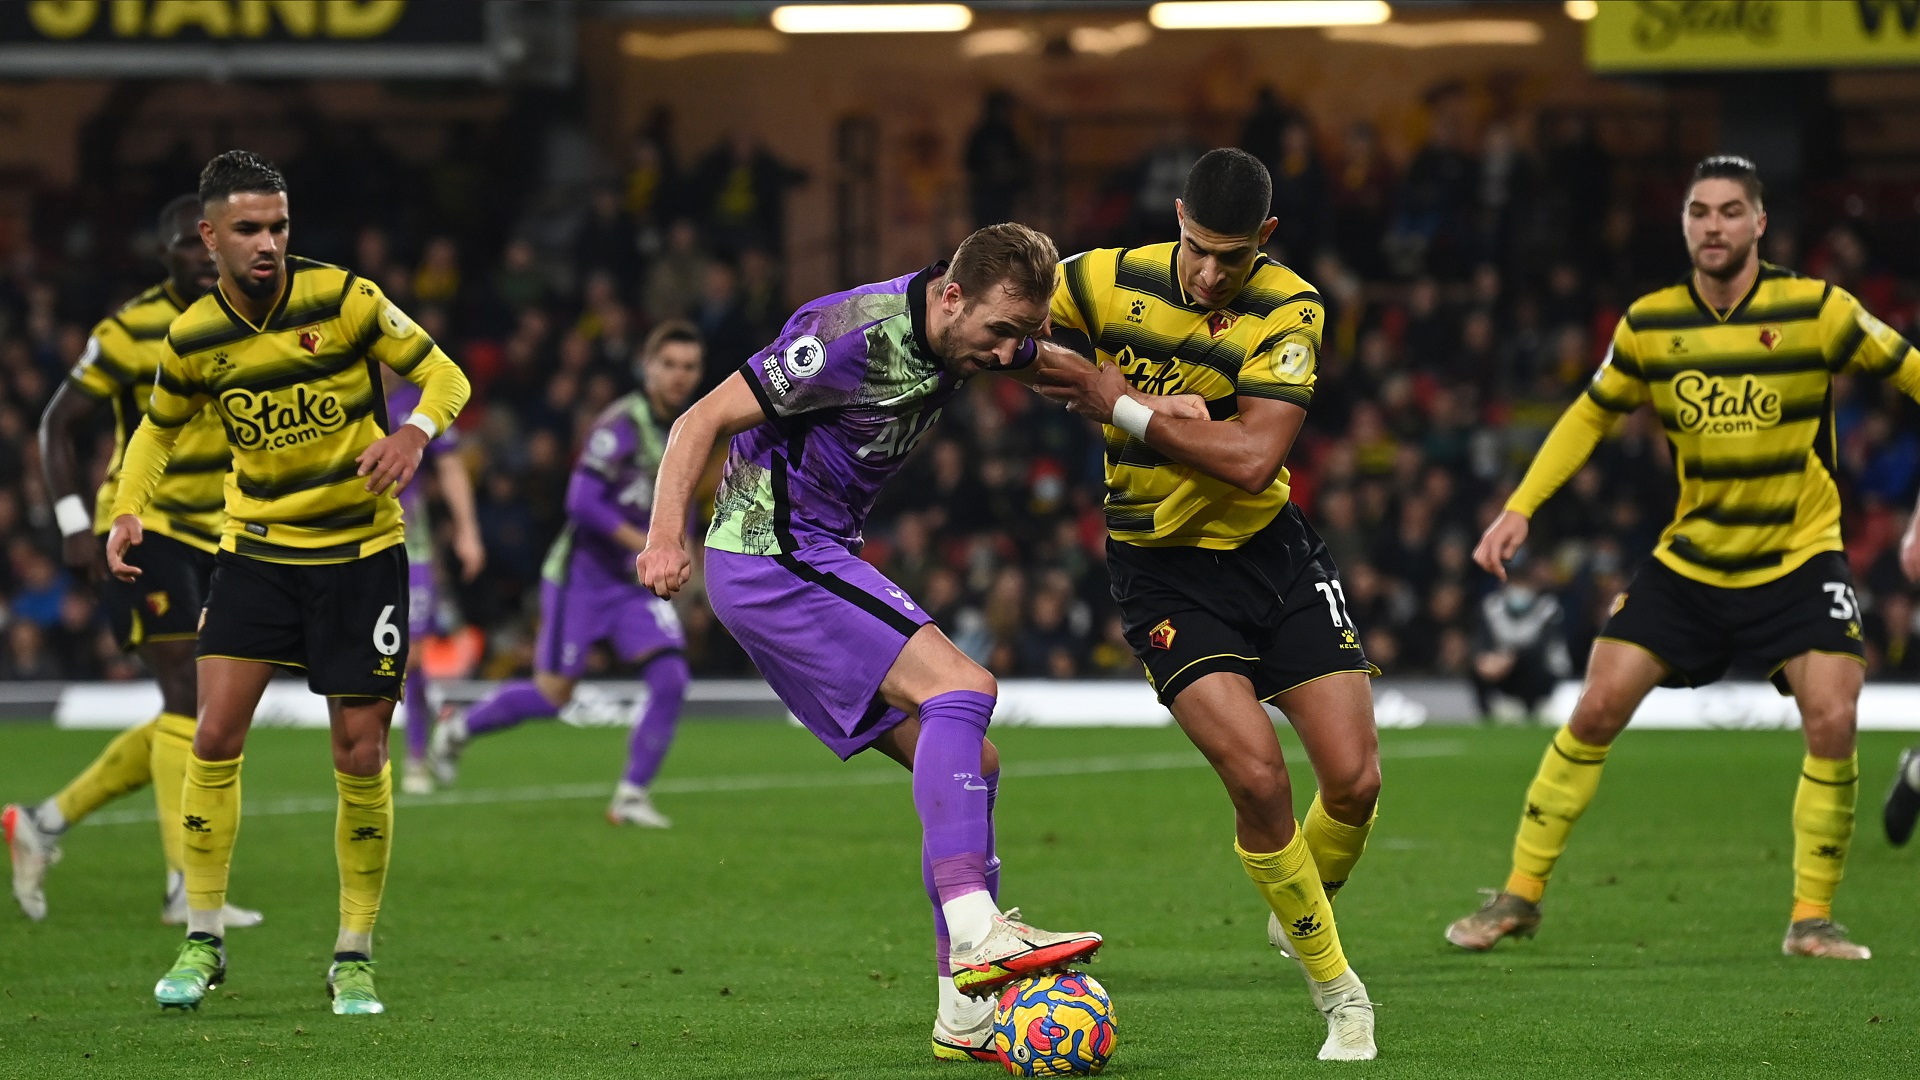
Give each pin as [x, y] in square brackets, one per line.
[1336, 602]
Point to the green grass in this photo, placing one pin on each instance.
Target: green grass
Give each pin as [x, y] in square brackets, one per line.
[781, 931]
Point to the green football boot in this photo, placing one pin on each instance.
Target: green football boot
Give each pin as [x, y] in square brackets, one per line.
[201, 966]
[350, 985]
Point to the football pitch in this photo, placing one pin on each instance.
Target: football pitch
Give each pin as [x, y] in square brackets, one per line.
[779, 929]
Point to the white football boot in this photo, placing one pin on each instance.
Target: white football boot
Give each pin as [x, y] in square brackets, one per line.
[444, 748]
[415, 778]
[1342, 1000]
[173, 912]
[32, 850]
[632, 805]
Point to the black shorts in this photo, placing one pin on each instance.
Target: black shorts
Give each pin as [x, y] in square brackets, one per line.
[1271, 609]
[1698, 630]
[164, 605]
[344, 624]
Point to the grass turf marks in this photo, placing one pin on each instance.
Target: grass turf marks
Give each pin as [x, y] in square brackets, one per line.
[779, 929]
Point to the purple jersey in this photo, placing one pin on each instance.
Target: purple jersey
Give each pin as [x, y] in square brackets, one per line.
[612, 485]
[402, 398]
[848, 389]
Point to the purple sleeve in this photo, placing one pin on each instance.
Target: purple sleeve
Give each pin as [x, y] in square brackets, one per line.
[591, 503]
[802, 373]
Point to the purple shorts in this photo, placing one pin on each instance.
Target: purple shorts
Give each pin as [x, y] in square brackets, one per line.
[421, 595]
[824, 628]
[574, 616]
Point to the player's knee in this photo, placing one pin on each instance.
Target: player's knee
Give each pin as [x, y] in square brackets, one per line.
[669, 675]
[1836, 715]
[1601, 714]
[1351, 799]
[975, 679]
[1260, 790]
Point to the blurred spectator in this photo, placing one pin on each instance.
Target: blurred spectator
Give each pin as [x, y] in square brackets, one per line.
[1519, 642]
[723, 322]
[26, 655]
[520, 283]
[744, 192]
[438, 279]
[999, 166]
[674, 284]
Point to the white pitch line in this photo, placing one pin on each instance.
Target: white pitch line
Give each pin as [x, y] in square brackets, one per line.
[701, 785]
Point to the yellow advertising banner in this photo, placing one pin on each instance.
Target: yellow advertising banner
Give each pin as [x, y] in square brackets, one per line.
[1731, 35]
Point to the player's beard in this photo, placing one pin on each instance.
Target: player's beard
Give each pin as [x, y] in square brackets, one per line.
[259, 288]
[1736, 261]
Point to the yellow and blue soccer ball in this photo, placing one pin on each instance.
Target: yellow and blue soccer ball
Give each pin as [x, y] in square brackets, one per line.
[1054, 1025]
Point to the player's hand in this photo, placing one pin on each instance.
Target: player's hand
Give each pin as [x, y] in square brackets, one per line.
[126, 533]
[471, 553]
[1499, 542]
[1910, 549]
[390, 463]
[81, 553]
[1088, 392]
[1176, 406]
[663, 569]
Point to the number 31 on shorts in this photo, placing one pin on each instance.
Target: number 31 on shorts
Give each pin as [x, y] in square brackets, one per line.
[1845, 604]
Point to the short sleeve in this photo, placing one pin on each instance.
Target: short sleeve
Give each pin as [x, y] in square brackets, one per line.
[1285, 363]
[1619, 386]
[99, 372]
[802, 373]
[1074, 314]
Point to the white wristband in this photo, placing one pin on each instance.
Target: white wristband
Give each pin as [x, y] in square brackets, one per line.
[424, 423]
[1131, 417]
[72, 516]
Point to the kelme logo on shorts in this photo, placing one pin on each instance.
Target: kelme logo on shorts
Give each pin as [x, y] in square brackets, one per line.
[275, 421]
[1712, 405]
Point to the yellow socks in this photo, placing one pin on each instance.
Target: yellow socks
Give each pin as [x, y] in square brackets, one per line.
[172, 746]
[362, 840]
[1335, 845]
[1569, 775]
[120, 768]
[1822, 831]
[1290, 881]
[209, 823]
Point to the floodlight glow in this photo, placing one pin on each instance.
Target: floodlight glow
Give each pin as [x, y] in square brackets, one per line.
[1242, 14]
[1432, 35]
[871, 18]
[1582, 10]
[1003, 42]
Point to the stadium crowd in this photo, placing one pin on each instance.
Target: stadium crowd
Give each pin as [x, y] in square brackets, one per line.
[1470, 292]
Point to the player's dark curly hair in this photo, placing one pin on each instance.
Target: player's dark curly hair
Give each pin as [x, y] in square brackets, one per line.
[177, 207]
[238, 172]
[1228, 191]
[1730, 167]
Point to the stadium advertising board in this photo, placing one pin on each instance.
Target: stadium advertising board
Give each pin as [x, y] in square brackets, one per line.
[1694, 35]
[292, 38]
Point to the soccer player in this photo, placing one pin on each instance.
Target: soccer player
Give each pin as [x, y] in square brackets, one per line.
[1738, 361]
[1228, 596]
[819, 421]
[423, 589]
[310, 575]
[160, 619]
[589, 595]
[1902, 807]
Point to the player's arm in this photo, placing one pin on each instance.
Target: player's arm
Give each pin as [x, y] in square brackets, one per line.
[456, 487]
[1058, 368]
[593, 504]
[1859, 342]
[177, 398]
[394, 340]
[93, 381]
[731, 408]
[1617, 389]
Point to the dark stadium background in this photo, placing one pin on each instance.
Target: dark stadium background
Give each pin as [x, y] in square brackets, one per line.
[1476, 216]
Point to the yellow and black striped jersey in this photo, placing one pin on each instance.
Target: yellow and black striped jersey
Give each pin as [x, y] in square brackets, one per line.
[300, 398]
[1127, 307]
[1747, 401]
[118, 367]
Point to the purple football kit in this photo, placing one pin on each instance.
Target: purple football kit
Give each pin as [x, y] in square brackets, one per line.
[588, 594]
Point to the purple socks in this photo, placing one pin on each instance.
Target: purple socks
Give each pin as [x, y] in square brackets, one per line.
[666, 676]
[954, 802]
[419, 718]
[512, 703]
[942, 940]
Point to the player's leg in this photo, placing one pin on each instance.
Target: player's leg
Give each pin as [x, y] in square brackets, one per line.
[415, 779]
[33, 832]
[963, 1025]
[1619, 677]
[362, 843]
[567, 630]
[1902, 806]
[1827, 689]
[646, 632]
[1333, 716]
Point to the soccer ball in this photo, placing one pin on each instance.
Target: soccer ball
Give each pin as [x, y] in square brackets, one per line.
[1054, 1025]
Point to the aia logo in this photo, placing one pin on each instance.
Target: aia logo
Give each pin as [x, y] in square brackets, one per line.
[1219, 322]
[159, 603]
[1161, 637]
[310, 341]
[1769, 337]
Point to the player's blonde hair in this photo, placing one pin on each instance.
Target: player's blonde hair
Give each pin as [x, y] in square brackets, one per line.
[1009, 253]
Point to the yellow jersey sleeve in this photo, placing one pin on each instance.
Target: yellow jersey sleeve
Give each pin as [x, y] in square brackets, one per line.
[399, 343]
[1285, 363]
[103, 370]
[178, 396]
[1076, 313]
[1617, 388]
[1861, 343]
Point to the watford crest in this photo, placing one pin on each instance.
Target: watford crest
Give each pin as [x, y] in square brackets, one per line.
[1161, 636]
[310, 340]
[1219, 322]
[159, 603]
[1769, 338]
